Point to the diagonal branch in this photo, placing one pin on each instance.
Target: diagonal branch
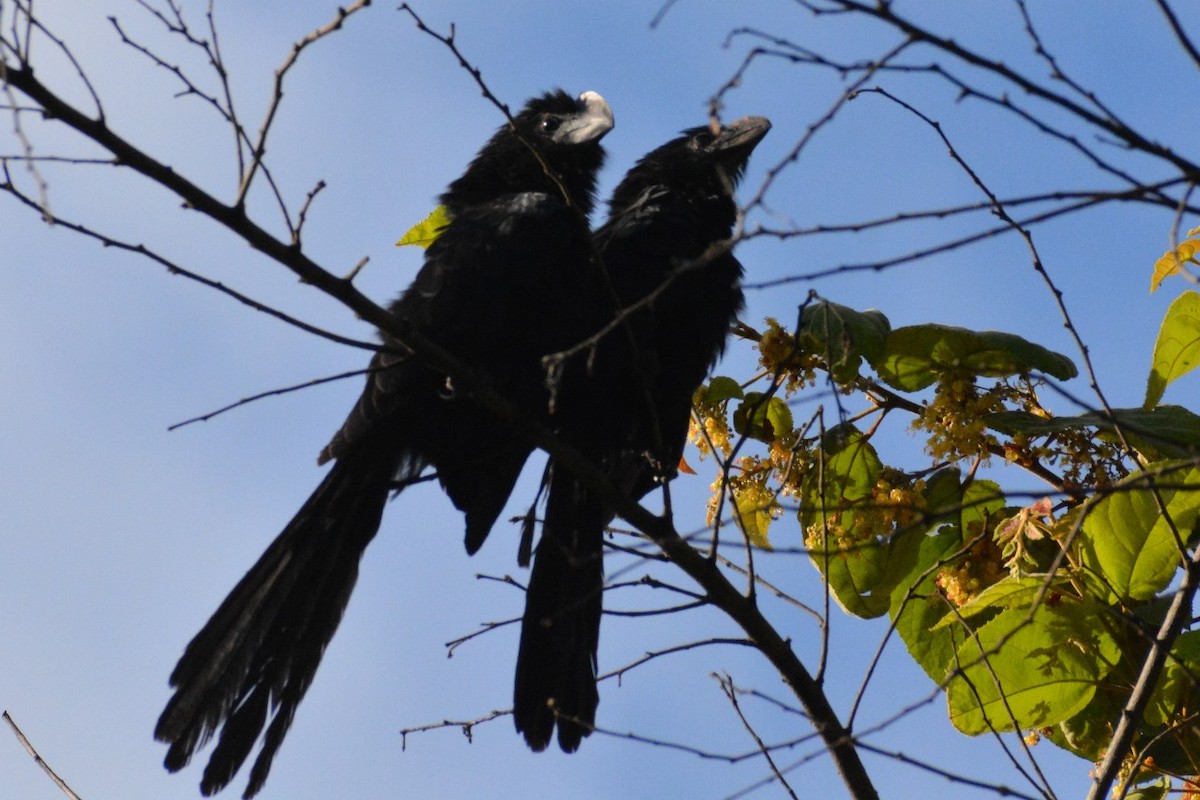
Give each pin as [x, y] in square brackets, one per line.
[233, 216]
[731, 694]
[1178, 616]
[1185, 41]
[260, 146]
[354, 373]
[885, 13]
[41, 762]
[6, 185]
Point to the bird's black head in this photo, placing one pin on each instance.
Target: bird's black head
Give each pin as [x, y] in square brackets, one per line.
[565, 133]
[704, 162]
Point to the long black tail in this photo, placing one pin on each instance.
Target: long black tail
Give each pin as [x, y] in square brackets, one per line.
[556, 664]
[257, 655]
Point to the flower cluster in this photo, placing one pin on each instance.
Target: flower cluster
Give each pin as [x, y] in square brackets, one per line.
[790, 460]
[954, 418]
[980, 567]
[897, 501]
[894, 504]
[709, 425]
[830, 529]
[754, 503]
[709, 431]
[1084, 457]
[780, 353]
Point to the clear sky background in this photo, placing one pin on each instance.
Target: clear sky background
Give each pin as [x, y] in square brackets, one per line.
[118, 539]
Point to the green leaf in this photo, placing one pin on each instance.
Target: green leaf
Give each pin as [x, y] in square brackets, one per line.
[1167, 717]
[762, 419]
[918, 355]
[1030, 670]
[843, 337]
[916, 605]
[1177, 350]
[850, 471]
[852, 560]
[426, 232]
[1128, 543]
[1157, 789]
[1088, 733]
[1008, 593]
[720, 389]
[1012, 423]
[1176, 691]
[1158, 433]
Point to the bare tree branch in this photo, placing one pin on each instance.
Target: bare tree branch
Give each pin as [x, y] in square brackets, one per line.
[1178, 616]
[731, 694]
[41, 762]
[259, 148]
[270, 393]
[6, 185]
[1185, 41]
[952, 777]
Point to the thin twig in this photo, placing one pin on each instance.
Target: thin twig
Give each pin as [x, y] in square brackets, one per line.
[271, 393]
[1185, 41]
[467, 726]
[731, 693]
[954, 777]
[259, 148]
[175, 269]
[41, 762]
[619, 672]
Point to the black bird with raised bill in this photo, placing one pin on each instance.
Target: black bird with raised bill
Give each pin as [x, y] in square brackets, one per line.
[667, 248]
[498, 291]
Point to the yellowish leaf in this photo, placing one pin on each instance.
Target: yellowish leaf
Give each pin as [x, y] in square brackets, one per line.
[752, 512]
[1173, 260]
[426, 232]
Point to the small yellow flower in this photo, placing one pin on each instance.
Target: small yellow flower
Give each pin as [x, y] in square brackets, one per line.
[981, 567]
[780, 354]
[954, 419]
[711, 434]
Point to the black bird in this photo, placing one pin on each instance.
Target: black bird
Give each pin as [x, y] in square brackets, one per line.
[665, 247]
[496, 291]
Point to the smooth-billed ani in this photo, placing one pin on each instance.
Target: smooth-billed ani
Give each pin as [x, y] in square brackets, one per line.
[666, 249]
[497, 291]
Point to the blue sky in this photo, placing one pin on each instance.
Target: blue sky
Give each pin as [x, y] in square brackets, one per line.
[120, 538]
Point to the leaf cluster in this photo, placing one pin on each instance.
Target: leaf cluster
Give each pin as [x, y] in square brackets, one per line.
[1031, 617]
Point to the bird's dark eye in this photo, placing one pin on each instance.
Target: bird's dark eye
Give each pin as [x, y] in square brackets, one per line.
[550, 124]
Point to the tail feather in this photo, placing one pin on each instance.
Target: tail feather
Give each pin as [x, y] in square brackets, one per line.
[258, 654]
[234, 746]
[560, 632]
